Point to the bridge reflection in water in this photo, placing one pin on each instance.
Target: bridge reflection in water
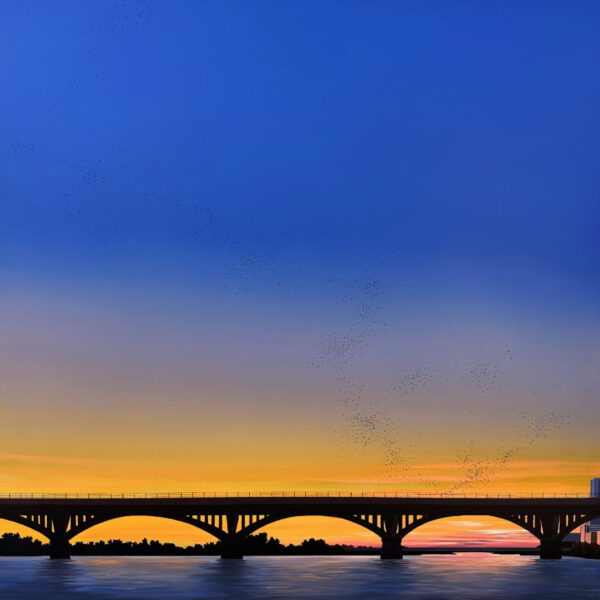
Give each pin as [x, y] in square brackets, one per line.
[231, 517]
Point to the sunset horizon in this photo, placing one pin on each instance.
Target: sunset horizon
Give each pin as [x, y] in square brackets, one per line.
[320, 270]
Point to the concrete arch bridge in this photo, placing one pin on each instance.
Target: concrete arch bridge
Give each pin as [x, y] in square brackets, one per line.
[231, 518]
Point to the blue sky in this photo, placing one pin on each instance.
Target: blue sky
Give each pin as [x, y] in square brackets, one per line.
[371, 211]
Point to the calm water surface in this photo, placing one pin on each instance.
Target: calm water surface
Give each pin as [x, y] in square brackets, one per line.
[461, 576]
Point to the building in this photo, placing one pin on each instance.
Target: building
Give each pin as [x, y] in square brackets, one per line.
[590, 532]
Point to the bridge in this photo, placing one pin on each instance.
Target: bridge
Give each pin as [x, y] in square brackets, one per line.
[232, 517]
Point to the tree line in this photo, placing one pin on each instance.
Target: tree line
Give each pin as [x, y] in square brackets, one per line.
[13, 544]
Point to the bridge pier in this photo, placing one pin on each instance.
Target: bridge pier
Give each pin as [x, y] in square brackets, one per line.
[550, 549]
[60, 547]
[231, 547]
[391, 548]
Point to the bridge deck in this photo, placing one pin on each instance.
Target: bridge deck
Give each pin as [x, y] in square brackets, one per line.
[297, 501]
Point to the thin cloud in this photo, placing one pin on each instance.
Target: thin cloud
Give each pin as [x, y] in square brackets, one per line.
[40, 459]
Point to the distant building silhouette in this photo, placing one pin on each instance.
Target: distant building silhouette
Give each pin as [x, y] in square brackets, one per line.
[590, 531]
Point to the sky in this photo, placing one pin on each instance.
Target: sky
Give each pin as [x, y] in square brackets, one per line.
[299, 246]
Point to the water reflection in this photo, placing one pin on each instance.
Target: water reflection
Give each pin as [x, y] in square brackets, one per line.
[467, 576]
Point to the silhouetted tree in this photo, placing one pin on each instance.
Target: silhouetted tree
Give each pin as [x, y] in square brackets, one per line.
[12, 544]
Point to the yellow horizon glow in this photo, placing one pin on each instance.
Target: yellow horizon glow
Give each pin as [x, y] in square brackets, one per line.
[62, 474]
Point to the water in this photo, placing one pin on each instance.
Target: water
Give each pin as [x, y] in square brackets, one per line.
[463, 576]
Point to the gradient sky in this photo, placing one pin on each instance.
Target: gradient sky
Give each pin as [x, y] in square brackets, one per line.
[299, 246]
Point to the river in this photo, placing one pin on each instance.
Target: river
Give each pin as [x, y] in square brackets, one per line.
[461, 576]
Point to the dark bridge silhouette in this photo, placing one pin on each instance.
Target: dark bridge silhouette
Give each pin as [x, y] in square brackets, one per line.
[232, 517]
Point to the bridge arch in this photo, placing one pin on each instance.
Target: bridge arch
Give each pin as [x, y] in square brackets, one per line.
[570, 525]
[85, 527]
[521, 526]
[29, 525]
[279, 519]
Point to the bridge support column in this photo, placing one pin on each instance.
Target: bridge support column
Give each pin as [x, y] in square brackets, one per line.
[60, 547]
[231, 547]
[391, 548]
[550, 549]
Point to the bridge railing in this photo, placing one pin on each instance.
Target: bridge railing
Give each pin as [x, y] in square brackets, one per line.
[280, 494]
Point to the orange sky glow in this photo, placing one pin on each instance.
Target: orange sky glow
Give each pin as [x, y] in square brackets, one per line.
[56, 475]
